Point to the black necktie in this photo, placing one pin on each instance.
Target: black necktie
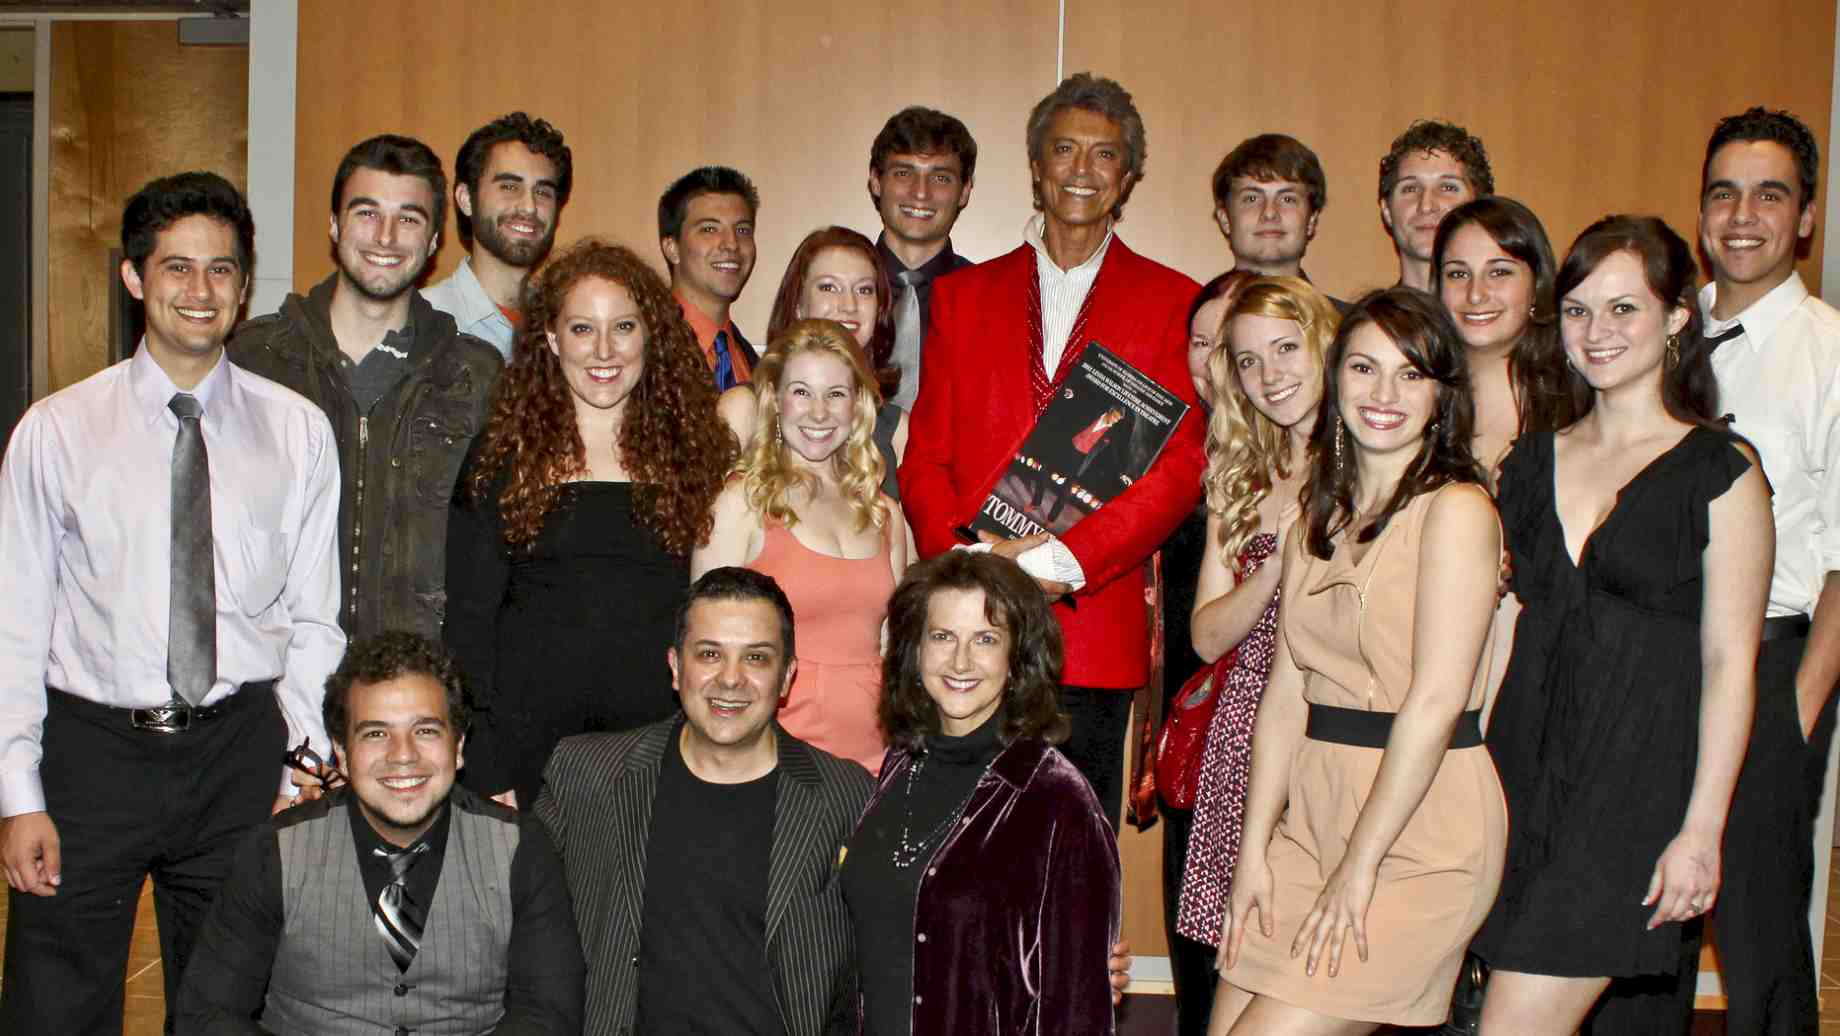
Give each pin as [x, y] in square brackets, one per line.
[725, 364]
[1714, 341]
[400, 919]
[191, 617]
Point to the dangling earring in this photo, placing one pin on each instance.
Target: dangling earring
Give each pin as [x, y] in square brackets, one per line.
[1338, 446]
[1673, 351]
[1569, 365]
[1433, 429]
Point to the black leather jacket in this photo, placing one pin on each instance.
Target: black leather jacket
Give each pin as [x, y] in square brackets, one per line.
[398, 463]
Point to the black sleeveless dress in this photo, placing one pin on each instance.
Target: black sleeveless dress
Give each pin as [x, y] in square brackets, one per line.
[1595, 733]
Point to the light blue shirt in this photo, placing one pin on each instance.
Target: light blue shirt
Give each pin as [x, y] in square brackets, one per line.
[461, 297]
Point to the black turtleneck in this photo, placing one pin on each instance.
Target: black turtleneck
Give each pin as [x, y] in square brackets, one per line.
[881, 895]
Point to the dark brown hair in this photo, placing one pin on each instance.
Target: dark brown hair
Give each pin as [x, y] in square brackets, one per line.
[792, 286]
[1547, 399]
[389, 655]
[1013, 601]
[1420, 328]
[1688, 390]
[1272, 156]
[915, 130]
[672, 444]
[1428, 135]
[1778, 127]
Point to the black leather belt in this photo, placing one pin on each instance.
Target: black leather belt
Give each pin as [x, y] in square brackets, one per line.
[1364, 729]
[173, 717]
[1786, 627]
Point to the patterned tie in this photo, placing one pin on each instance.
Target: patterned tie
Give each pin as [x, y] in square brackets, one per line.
[399, 919]
[725, 365]
[907, 337]
[1714, 341]
[191, 617]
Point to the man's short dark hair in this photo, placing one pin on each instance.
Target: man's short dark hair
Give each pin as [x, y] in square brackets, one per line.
[387, 656]
[170, 199]
[1778, 127]
[1100, 96]
[1272, 156]
[398, 156]
[915, 130]
[732, 583]
[536, 134]
[1427, 135]
[674, 203]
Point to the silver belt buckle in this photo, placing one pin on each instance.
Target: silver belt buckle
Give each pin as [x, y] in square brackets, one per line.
[171, 718]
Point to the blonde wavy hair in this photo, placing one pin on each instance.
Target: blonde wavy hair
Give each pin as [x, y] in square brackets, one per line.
[1245, 450]
[767, 467]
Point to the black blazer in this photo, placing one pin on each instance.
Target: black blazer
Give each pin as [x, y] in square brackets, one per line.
[597, 804]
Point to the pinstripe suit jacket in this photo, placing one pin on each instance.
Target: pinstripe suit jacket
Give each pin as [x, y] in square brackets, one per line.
[597, 805]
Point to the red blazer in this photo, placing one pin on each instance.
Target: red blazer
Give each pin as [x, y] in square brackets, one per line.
[974, 409]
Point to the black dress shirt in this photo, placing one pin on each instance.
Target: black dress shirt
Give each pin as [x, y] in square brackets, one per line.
[227, 977]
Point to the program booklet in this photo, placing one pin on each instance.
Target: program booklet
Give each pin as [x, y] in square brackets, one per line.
[1102, 430]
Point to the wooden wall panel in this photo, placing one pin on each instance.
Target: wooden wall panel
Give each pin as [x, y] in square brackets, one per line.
[128, 104]
[1586, 107]
[791, 93]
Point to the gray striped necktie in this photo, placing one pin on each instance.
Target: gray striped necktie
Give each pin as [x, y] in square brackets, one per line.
[191, 616]
[400, 919]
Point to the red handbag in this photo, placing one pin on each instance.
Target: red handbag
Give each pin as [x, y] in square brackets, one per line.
[1183, 741]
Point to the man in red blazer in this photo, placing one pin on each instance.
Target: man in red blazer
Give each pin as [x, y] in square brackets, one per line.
[1001, 336]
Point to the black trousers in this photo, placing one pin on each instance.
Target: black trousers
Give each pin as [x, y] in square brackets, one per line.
[1096, 745]
[129, 804]
[1191, 963]
[1766, 957]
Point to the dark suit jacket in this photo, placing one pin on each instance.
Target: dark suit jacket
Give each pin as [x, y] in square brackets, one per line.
[1020, 905]
[975, 409]
[747, 349]
[597, 805]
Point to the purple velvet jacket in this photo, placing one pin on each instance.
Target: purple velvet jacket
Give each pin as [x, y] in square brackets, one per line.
[1019, 909]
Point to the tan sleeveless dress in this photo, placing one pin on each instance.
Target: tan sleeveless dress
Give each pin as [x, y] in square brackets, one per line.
[1349, 628]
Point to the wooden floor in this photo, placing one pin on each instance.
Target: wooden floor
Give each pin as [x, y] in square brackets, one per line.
[1142, 1016]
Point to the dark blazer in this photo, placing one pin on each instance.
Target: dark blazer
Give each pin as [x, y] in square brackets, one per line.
[975, 409]
[1018, 910]
[597, 805]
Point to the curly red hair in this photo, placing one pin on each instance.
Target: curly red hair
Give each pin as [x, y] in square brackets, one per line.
[671, 442]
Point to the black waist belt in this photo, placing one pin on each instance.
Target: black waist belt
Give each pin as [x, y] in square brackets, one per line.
[1364, 729]
[174, 717]
[1786, 627]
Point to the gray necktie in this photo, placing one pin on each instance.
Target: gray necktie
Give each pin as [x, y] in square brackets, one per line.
[398, 918]
[907, 337]
[191, 624]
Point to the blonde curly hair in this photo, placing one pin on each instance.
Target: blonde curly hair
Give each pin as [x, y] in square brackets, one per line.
[767, 467]
[1246, 452]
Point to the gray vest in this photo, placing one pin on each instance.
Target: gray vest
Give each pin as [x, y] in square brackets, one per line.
[332, 973]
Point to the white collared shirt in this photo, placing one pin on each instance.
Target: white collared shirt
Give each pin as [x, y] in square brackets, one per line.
[1063, 292]
[85, 532]
[1780, 381]
[462, 297]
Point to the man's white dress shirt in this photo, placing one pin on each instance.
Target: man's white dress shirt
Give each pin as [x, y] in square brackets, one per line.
[85, 531]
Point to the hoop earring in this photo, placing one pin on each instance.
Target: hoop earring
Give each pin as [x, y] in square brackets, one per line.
[1339, 434]
[1673, 351]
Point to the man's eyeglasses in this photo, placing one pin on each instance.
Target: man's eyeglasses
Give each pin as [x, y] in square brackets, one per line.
[305, 760]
